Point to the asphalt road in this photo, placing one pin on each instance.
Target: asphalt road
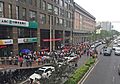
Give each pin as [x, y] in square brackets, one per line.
[105, 72]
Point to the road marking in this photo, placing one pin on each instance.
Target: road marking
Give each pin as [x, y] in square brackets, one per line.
[89, 73]
[114, 67]
[113, 80]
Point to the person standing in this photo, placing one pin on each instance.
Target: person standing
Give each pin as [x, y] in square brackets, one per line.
[20, 60]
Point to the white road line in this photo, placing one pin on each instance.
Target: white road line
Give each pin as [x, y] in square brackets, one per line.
[114, 67]
[113, 79]
[89, 73]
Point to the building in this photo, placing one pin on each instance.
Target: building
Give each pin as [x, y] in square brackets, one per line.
[105, 25]
[27, 24]
[84, 24]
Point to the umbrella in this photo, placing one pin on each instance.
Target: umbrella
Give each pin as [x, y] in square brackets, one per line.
[25, 51]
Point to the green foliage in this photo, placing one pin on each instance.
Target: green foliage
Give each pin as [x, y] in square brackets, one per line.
[90, 62]
[79, 73]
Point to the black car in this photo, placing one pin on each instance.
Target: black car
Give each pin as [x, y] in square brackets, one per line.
[107, 51]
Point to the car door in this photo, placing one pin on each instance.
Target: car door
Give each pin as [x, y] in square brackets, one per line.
[48, 72]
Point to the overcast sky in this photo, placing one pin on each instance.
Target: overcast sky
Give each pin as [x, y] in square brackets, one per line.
[103, 10]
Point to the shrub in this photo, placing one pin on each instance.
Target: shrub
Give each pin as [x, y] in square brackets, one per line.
[79, 73]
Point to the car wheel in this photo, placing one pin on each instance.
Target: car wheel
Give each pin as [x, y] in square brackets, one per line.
[119, 73]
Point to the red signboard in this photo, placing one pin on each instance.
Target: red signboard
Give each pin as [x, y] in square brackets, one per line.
[3, 47]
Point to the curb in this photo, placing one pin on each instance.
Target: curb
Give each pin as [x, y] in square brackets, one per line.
[87, 72]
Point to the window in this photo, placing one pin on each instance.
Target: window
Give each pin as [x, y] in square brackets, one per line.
[5, 32]
[56, 1]
[61, 12]
[70, 7]
[61, 3]
[24, 14]
[1, 10]
[26, 33]
[65, 23]
[30, 2]
[17, 12]
[42, 18]
[57, 21]
[56, 10]
[23, 1]
[70, 1]
[69, 15]
[54, 20]
[32, 15]
[43, 5]
[61, 21]
[35, 1]
[50, 8]
[66, 5]
[10, 11]
[40, 3]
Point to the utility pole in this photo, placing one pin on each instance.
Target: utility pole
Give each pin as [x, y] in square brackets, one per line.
[50, 35]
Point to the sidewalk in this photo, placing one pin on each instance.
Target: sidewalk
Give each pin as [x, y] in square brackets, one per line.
[7, 67]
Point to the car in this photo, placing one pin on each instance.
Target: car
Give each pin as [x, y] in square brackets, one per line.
[107, 51]
[43, 72]
[71, 58]
[117, 51]
[119, 69]
[49, 66]
[114, 46]
[61, 62]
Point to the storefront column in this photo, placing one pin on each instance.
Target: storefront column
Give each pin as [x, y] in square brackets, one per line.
[64, 37]
[38, 39]
[71, 37]
[15, 41]
[38, 32]
[53, 38]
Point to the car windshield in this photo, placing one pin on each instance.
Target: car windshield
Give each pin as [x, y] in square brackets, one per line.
[71, 56]
[117, 49]
[39, 71]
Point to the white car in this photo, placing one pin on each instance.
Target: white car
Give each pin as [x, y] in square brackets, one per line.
[35, 76]
[71, 58]
[43, 72]
[117, 51]
[114, 46]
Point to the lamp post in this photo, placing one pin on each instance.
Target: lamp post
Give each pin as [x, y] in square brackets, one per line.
[50, 35]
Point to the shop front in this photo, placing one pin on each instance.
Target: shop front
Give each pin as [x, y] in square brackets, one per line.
[27, 43]
[16, 35]
[6, 47]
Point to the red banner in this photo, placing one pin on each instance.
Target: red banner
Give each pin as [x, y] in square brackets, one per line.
[3, 47]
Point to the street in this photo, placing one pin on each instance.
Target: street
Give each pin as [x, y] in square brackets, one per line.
[105, 72]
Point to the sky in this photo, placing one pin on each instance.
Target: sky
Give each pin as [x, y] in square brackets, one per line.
[103, 10]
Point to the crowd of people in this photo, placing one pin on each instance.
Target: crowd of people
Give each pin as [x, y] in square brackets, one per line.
[41, 57]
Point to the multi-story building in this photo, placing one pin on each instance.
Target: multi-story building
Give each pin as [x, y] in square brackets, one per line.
[84, 24]
[27, 24]
[105, 25]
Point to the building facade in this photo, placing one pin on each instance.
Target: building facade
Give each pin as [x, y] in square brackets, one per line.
[105, 25]
[84, 24]
[26, 24]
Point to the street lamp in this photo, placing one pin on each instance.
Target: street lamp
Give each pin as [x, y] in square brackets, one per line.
[50, 34]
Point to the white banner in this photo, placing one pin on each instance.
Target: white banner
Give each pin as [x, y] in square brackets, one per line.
[13, 22]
